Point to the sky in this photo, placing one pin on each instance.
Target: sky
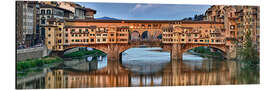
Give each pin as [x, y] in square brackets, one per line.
[139, 11]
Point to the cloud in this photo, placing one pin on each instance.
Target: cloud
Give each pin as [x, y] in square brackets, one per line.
[142, 6]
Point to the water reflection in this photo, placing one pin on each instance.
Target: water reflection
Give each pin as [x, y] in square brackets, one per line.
[157, 70]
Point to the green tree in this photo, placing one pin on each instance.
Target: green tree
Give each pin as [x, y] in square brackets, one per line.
[247, 51]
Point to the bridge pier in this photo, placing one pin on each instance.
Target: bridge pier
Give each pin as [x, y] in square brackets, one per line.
[176, 52]
[114, 52]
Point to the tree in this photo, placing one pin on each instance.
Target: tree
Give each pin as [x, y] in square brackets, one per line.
[247, 51]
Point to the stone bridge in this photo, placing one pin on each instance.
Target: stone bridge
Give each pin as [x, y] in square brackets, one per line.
[114, 51]
[115, 36]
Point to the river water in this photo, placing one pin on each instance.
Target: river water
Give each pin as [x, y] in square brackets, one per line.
[143, 67]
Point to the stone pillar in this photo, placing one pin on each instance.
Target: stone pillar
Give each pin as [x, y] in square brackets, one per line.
[176, 52]
[113, 52]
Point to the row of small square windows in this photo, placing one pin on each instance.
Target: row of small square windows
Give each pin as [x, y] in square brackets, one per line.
[89, 40]
[191, 40]
[79, 35]
[92, 30]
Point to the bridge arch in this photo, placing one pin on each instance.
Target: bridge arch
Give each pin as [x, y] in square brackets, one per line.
[102, 48]
[221, 48]
[145, 35]
[135, 35]
[159, 36]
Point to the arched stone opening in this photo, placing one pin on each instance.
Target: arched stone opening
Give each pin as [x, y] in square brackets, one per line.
[135, 35]
[145, 35]
[219, 50]
[159, 37]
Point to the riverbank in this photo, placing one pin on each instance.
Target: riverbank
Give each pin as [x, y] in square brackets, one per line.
[36, 65]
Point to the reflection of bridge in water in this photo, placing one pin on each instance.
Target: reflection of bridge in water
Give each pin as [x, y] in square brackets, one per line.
[174, 73]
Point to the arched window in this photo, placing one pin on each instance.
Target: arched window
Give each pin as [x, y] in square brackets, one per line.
[49, 12]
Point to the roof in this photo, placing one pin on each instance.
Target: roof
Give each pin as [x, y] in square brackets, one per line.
[91, 27]
[90, 10]
[143, 21]
[50, 6]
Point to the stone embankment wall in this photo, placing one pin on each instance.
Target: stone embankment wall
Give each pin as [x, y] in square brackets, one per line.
[30, 53]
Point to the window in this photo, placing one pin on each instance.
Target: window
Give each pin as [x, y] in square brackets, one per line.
[72, 40]
[49, 42]
[49, 12]
[195, 40]
[73, 30]
[80, 30]
[49, 35]
[104, 34]
[98, 40]
[86, 30]
[183, 40]
[43, 20]
[66, 35]
[48, 17]
[112, 34]
[232, 27]
[49, 29]
[104, 39]
[201, 40]
[143, 25]
[92, 40]
[66, 41]
[59, 29]
[42, 11]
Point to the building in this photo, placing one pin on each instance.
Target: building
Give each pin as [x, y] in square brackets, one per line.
[61, 32]
[194, 32]
[237, 19]
[26, 23]
[47, 12]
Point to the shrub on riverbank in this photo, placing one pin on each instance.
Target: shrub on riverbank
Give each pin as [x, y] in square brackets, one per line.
[83, 53]
[31, 63]
[207, 52]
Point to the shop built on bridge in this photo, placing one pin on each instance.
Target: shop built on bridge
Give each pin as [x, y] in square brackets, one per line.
[115, 36]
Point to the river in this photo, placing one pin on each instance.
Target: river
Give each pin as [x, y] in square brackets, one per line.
[143, 67]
